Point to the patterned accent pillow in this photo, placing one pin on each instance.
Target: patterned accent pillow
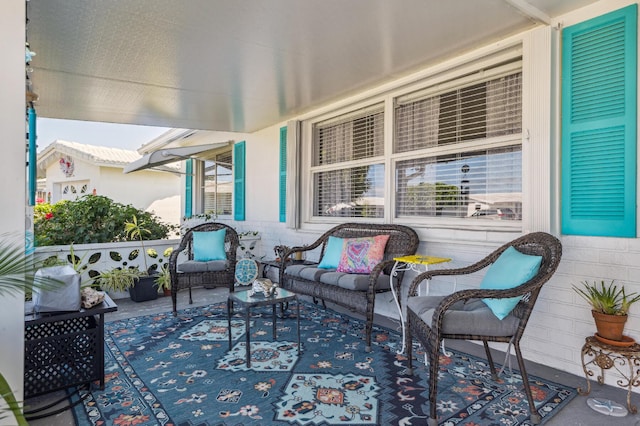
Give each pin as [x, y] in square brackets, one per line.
[361, 255]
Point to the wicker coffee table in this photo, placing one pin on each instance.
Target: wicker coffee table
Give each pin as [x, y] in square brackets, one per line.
[245, 300]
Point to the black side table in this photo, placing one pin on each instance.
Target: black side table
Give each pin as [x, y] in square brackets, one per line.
[64, 349]
[244, 299]
[605, 357]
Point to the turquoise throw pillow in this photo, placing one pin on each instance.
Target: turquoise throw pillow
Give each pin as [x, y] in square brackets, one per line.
[510, 270]
[209, 245]
[332, 253]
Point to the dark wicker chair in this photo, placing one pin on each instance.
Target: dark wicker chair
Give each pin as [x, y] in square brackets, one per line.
[403, 241]
[434, 318]
[196, 277]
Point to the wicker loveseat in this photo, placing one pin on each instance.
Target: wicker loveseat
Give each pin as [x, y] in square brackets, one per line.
[187, 272]
[354, 291]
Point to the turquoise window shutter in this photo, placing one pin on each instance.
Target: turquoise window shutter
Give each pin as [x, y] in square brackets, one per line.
[239, 152]
[282, 184]
[599, 104]
[188, 189]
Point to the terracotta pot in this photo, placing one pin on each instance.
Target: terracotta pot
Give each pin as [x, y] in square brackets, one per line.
[609, 326]
[166, 291]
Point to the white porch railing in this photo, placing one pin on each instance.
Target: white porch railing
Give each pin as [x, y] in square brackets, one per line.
[94, 258]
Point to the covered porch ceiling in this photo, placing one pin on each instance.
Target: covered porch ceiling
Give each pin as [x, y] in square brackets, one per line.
[244, 65]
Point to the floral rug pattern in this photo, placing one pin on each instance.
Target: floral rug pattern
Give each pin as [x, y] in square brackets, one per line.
[165, 370]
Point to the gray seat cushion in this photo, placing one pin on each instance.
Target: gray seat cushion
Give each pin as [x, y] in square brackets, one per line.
[308, 272]
[473, 317]
[197, 266]
[357, 282]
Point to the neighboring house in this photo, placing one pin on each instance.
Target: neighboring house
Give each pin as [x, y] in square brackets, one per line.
[71, 170]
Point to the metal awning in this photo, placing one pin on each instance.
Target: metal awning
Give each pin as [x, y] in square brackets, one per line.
[170, 155]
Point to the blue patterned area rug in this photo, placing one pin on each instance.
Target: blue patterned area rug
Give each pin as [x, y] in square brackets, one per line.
[165, 370]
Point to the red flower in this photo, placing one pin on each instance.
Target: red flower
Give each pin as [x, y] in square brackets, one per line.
[48, 215]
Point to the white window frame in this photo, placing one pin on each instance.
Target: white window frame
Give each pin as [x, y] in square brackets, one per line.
[200, 182]
[474, 70]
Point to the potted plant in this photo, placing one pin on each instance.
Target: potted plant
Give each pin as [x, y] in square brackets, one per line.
[118, 279]
[144, 287]
[609, 306]
[163, 280]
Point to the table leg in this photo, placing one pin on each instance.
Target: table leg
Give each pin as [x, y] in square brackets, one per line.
[100, 350]
[248, 334]
[229, 321]
[396, 298]
[274, 322]
[298, 319]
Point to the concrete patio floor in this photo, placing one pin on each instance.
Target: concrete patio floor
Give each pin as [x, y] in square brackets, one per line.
[576, 413]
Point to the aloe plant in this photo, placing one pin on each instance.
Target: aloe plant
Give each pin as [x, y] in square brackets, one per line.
[607, 298]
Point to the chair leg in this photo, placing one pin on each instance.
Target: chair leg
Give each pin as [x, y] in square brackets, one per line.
[409, 346]
[535, 417]
[492, 366]
[434, 367]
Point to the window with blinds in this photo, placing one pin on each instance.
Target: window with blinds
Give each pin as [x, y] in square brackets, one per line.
[347, 172]
[465, 163]
[218, 184]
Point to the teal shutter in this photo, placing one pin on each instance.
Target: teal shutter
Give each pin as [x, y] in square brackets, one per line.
[282, 185]
[599, 104]
[239, 152]
[188, 189]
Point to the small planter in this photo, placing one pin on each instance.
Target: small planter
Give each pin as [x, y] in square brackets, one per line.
[144, 289]
[609, 326]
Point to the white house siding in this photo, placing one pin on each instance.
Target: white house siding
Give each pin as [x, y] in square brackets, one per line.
[140, 189]
[561, 320]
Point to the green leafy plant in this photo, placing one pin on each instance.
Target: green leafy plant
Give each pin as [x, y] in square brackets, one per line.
[118, 279]
[164, 278]
[92, 219]
[606, 298]
[136, 230]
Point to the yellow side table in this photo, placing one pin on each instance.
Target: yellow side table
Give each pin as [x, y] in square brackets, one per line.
[416, 263]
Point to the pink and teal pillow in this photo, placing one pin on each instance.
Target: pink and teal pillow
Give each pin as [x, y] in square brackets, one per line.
[361, 255]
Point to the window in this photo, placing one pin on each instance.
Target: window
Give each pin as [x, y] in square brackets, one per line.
[348, 165]
[464, 149]
[456, 153]
[218, 184]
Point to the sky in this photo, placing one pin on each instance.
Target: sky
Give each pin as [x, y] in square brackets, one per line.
[123, 136]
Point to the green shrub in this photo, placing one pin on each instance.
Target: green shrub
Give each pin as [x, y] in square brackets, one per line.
[91, 219]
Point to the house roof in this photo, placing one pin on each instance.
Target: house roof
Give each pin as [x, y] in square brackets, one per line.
[97, 155]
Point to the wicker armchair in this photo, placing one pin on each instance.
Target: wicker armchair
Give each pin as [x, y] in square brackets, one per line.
[306, 279]
[189, 273]
[462, 315]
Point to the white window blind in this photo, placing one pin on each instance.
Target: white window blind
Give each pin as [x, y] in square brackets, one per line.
[348, 177]
[218, 184]
[459, 185]
[466, 165]
[350, 137]
[476, 111]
